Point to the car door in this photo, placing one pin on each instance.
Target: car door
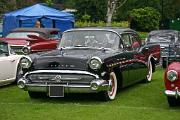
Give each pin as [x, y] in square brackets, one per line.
[127, 55]
[7, 67]
[138, 68]
[134, 67]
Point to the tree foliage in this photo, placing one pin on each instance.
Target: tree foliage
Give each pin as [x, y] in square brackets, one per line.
[145, 19]
[94, 8]
[97, 9]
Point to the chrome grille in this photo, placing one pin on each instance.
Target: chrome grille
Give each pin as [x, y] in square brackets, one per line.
[17, 49]
[60, 78]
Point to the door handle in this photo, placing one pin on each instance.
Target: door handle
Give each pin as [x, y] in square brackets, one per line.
[13, 60]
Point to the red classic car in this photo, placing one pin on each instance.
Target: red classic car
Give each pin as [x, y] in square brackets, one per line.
[172, 83]
[29, 40]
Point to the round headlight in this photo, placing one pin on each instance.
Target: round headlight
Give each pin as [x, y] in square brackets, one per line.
[172, 75]
[26, 50]
[95, 63]
[25, 63]
[21, 83]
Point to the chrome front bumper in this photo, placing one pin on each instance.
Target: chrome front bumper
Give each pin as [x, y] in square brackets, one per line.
[175, 93]
[95, 85]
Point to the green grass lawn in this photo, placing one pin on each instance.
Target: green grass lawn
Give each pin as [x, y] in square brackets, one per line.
[138, 102]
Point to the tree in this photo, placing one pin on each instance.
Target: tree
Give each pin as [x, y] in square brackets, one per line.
[49, 2]
[121, 13]
[94, 8]
[112, 5]
[145, 19]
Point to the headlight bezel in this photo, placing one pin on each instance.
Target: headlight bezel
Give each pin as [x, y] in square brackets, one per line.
[172, 75]
[26, 50]
[95, 63]
[25, 63]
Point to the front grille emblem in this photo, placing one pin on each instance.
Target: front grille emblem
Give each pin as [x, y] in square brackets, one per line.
[57, 78]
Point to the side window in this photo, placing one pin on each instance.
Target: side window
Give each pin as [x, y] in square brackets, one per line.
[136, 43]
[3, 49]
[126, 40]
[55, 35]
[179, 36]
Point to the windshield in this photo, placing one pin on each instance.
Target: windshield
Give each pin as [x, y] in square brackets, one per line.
[21, 34]
[55, 35]
[90, 38]
[170, 37]
[3, 48]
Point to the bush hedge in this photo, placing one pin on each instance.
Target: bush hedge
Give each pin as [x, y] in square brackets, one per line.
[101, 24]
[144, 19]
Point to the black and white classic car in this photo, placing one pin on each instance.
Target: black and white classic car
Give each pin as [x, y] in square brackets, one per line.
[98, 60]
[167, 39]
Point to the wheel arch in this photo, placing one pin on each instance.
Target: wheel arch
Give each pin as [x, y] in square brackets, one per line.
[119, 76]
[153, 62]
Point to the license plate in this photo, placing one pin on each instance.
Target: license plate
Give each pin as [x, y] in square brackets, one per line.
[56, 91]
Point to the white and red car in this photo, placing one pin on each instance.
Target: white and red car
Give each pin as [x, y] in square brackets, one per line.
[172, 83]
[11, 65]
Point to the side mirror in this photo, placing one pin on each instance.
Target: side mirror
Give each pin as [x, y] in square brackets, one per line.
[127, 46]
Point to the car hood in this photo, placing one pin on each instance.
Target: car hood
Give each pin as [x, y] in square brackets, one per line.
[71, 59]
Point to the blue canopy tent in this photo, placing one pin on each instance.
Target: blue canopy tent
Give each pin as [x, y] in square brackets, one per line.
[26, 17]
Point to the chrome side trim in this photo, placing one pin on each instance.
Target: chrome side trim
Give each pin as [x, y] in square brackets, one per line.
[63, 71]
[16, 45]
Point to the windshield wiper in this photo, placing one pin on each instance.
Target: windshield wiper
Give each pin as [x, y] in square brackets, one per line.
[86, 47]
[80, 46]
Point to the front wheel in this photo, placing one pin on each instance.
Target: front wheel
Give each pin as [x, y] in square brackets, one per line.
[149, 75]
[172, 101]
[19, 73]
[164, 63]
[111, 93]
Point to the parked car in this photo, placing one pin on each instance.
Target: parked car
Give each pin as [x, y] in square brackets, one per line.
[98, 60]
[172, 83]
[171, 77]
[0, 30]
[30, 40]
[165, 38]
[11, 65]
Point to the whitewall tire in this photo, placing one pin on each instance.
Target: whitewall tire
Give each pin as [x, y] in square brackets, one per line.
[149, 74]
[111, 93]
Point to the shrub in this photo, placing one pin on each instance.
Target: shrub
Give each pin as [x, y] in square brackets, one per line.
[101, 24]
[144, 19]
[86, 17]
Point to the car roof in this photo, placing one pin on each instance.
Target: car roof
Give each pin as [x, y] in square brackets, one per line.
[162, 32]
[39, 30]
[116, 29]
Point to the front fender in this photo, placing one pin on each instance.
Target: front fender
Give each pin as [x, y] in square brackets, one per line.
[172, 85]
